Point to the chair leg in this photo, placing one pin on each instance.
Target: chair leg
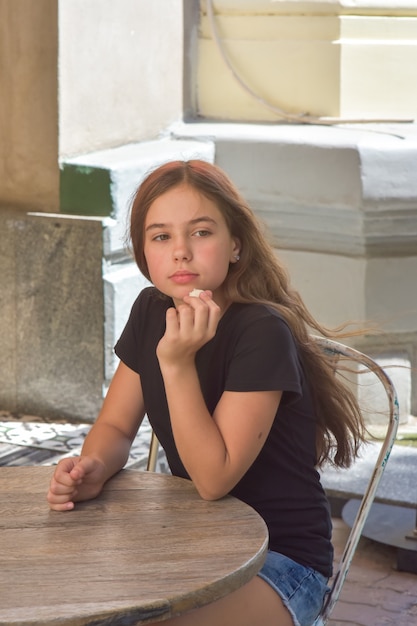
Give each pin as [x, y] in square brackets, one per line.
[153, 453]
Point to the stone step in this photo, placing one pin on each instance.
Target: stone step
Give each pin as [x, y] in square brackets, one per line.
[346, 190]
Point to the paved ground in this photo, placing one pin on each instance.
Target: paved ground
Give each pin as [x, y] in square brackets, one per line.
[374, 593]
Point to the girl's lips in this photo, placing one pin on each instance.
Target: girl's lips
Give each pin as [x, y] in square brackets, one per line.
[182, 278]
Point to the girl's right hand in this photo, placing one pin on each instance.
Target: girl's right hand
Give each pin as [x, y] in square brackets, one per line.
[188, 327]
[75, 479]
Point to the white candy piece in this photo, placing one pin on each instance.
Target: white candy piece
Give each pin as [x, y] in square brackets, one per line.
[195, 293]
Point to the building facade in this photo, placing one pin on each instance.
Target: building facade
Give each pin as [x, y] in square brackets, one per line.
[309, 106]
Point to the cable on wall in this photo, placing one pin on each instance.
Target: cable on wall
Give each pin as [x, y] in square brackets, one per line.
[301, 118]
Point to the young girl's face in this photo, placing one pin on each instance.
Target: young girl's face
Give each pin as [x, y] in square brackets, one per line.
[187, 244]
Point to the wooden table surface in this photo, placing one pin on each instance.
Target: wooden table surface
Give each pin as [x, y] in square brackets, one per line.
[147, 548]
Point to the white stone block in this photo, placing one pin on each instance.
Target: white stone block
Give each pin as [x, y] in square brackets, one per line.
[122, 285]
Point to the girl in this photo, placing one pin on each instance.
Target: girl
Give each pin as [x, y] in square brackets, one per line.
[236, 391]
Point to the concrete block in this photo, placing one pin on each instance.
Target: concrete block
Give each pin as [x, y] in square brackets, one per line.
[391, 292]
[122, 284]
[339, 289]
[349, 191]
[332, 286]
[59, 316]
[10, 224]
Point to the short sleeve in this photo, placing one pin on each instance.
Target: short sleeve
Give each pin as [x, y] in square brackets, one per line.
[265, 358]
[144, 328]
[125, 346]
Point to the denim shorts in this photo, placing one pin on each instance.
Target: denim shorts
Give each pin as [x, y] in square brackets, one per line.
[301, 588]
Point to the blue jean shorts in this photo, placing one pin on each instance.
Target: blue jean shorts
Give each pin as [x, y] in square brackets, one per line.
[301, 588]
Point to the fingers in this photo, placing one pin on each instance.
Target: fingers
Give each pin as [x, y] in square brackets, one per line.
[60, 498]
[188, 328]
[214, 312]
[205, 298]
[206, 313]
[76, 479]
[64, 484]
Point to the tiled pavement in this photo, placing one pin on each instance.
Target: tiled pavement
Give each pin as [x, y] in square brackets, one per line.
[29, 440]
[374, 593]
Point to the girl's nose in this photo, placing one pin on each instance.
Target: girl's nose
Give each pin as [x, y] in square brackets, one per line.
[182, 252]
[182, 256]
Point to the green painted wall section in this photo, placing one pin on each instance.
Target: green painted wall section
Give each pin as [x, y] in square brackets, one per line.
[85, 190]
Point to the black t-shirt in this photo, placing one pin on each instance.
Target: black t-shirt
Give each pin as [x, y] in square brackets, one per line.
[253, 350]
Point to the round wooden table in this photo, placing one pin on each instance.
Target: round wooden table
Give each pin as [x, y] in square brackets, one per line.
[146, 549]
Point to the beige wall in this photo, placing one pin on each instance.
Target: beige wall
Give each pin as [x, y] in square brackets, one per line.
[326, 59]
[77, 76]
[28, 103]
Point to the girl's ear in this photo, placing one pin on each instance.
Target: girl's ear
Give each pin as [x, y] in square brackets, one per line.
[235, 251]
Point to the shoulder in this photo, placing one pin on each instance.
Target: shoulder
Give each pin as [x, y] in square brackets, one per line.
[147, 312]
[152, 295]
[144, 327]
[151, 298]
[261, 350]
[258, 319]
[259, 329]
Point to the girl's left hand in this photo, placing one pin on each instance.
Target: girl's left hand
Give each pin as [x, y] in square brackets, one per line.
[188, 328]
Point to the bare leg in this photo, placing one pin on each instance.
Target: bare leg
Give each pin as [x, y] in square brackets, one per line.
[254, 604]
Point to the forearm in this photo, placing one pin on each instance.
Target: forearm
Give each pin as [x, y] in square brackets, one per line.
[109, 445]
[198, 439]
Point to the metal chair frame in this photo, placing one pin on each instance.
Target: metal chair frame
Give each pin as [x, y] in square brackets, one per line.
[337, 350]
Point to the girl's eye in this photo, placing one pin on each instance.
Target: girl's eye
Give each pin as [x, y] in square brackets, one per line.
[202, 233]
[161, 237]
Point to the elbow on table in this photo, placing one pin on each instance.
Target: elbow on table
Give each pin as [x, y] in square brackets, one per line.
[214, 483]
[212, 492]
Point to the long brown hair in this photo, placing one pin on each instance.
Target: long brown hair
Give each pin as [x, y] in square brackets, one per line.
[260, 277]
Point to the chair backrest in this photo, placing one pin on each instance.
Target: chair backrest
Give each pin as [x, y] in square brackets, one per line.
[338, 350]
